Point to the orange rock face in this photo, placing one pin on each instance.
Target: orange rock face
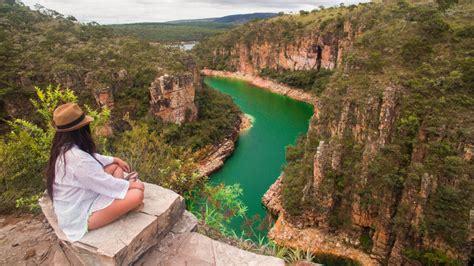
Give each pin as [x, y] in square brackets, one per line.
[316, 241]
[309, 52]
[172, 98]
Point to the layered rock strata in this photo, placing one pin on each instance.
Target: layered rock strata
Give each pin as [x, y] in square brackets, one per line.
[172, 98]
[311, 51]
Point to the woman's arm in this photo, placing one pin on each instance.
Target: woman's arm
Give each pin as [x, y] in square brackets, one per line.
[106, 160]
[90, 175]
[122, 164]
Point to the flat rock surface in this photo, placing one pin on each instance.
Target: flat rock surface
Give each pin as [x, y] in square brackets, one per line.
[197, 249]
[114, 237]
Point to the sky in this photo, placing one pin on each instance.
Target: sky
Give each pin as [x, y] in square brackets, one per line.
[129, 11]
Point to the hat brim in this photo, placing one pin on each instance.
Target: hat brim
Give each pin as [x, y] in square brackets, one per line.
[86, 121]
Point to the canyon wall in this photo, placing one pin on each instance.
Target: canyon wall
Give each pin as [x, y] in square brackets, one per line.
[312, 51]
[386, 166]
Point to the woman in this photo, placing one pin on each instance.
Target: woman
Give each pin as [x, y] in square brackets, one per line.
[88, 190]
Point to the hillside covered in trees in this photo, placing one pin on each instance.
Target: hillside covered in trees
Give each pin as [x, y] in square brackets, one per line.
[47, 59]
[186, 30]
[42, 47]
[387, 163]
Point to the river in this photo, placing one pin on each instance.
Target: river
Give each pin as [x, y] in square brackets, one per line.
[260, 151]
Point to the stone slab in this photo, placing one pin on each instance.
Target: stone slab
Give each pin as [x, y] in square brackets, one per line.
[125, 240]
[187, 223]
[196, 249]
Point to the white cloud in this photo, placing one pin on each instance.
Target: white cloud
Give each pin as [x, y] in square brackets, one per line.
[127, 11]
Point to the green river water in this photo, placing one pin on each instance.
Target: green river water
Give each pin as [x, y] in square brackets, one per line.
[260, 151]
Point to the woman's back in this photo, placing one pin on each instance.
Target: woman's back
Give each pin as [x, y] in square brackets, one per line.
[81, 187]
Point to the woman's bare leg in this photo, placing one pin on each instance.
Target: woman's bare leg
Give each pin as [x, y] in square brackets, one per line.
[117, 209]
[115, 170]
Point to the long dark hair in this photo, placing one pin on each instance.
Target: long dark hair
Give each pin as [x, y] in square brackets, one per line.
[64, 141]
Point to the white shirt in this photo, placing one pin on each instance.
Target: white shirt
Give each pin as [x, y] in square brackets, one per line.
[81, 188]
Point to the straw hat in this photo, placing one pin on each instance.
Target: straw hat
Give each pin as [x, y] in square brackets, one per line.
[69, 117]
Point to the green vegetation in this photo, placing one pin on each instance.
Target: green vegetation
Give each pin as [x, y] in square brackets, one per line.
[431, 257]
[171, 32]
[216, 206]
[185, 30]
[217, 118]
[428, 53]
[24, 152]
[41, 48]
[415, 56]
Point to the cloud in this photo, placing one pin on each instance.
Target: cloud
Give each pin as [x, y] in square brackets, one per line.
[127, 11]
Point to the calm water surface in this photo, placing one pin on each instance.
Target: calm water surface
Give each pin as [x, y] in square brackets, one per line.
[260, 152]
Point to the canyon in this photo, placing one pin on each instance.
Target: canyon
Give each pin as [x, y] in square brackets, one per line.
[353, 183]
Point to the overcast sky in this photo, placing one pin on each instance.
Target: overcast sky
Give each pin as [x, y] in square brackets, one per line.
[127, 11]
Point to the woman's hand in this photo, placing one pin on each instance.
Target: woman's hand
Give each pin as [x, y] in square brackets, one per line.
[136, 184]
[122, 164]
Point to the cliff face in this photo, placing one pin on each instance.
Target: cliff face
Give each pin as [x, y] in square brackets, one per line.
[386, 166]
[312, 51]
[172, 98]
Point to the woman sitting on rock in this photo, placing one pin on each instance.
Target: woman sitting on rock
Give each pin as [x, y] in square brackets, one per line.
[88, 190]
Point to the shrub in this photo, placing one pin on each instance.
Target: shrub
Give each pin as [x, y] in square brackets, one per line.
[431, 257]
[24, 152]
[215, 206]
[155, 160]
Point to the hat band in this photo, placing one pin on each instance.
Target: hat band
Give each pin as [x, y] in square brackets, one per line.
[73, 123]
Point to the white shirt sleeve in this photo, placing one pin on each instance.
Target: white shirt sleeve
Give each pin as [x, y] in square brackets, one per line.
[90, 175]
[103, 159]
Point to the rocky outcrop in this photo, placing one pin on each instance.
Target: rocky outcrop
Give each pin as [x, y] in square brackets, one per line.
[382, 143]
[172, 98]
[214, 159]
[316, 241]
[246, 122]
[161, 232]
[104, 97]
[272, 197]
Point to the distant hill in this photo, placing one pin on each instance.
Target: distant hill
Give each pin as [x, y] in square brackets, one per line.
[186, 30]
[232, 19]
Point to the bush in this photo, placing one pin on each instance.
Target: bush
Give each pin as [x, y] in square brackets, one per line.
[155, 160]
[215, 206]
[294, 179]
[24, 152]
[431, 257]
